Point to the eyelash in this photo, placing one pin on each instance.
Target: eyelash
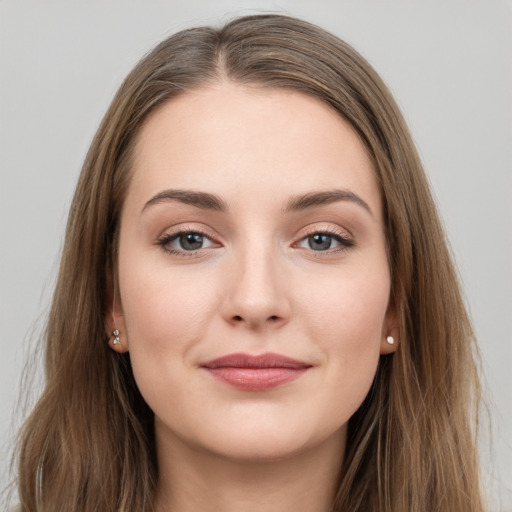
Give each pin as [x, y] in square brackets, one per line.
[345, 242]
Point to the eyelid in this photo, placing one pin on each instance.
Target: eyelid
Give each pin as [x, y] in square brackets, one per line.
[310, 230]
[328, 230]
[188, 228]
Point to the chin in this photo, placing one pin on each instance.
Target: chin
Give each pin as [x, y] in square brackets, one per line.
[259, 450]
[259, 443]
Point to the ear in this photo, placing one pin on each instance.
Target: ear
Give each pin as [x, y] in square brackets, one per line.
[115, 325]
[390, 331]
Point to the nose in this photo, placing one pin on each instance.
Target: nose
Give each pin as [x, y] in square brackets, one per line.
[257, 297]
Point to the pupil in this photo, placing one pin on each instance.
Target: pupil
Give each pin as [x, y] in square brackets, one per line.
[319, 242]
[191, 241]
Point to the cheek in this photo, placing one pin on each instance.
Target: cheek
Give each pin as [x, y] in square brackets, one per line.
[346, 319]
[348, 306]
[166, 315]
[160, 301]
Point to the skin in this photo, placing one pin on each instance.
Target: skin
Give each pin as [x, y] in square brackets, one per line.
[255, 286]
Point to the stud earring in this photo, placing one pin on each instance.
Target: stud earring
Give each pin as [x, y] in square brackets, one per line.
[115, 335]
[390, 340]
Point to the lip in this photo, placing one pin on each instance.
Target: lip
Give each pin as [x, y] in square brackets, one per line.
[255, 373]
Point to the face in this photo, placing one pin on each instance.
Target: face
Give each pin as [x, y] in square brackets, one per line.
[253, 275]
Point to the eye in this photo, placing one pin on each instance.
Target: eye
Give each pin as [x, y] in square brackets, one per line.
[185, 241]
[323, 241]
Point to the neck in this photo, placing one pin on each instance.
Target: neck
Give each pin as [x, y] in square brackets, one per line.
[193, 480]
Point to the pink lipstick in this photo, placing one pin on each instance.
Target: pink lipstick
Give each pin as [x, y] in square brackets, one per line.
[255, 373]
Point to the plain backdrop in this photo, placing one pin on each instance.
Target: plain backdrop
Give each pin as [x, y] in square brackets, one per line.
[448, 63]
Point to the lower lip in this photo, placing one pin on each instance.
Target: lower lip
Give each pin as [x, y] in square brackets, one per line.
[256, 379]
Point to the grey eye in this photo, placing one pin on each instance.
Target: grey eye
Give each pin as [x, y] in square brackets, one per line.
[191, 241]
[324, 241]
[185, 241]
[319, 242]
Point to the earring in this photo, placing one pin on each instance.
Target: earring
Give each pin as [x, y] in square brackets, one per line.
[390, 340]
[115, 335]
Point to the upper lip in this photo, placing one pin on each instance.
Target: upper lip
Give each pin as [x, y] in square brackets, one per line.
[267, 360]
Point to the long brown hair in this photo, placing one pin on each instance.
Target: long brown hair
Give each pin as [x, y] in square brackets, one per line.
[88, 445]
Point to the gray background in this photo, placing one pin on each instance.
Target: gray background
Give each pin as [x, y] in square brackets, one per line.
[449, 64]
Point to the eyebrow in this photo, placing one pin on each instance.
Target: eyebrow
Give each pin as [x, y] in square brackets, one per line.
[313, 199]
[202, 200]
[208, 201]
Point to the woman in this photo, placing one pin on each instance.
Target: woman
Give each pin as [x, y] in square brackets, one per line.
[255, 307]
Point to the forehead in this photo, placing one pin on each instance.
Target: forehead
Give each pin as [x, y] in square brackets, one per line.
[237, 141]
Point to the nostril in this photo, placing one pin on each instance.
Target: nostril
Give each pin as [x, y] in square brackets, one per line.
[238, 318]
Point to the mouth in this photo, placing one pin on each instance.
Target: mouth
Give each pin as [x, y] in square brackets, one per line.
[255, 373]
